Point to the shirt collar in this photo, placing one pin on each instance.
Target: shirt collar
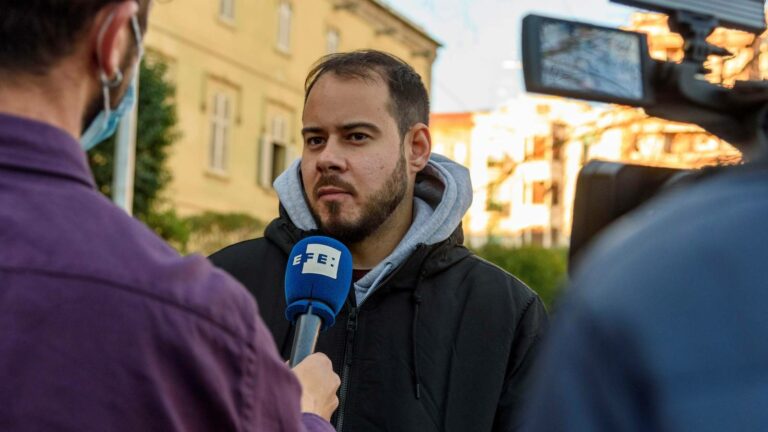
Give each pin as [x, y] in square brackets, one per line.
[31, 145]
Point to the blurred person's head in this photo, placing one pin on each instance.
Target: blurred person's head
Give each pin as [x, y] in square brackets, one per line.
[366, 136]
[84, 50]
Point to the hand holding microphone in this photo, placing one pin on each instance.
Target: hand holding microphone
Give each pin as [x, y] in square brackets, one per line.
[318, 385]
[317, 281]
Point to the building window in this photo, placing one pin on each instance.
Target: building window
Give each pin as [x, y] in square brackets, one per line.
[669, 143]
[221, 126]
[539, 192]
[559, 137]
[539, 148]
[555, 237]
[285, 15]
[494, 163]
[275, 153]
[506, 209]
[555, 192]
[227, 10]
[492, 205]
[279, 158]
[332, 39]
[559, 133]
[557, 152]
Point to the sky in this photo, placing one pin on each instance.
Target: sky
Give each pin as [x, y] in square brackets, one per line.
[478, 66]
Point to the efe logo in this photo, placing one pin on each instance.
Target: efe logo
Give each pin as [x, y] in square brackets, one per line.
[319, 259]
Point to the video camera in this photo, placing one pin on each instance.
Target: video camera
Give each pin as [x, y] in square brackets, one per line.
[584, 61]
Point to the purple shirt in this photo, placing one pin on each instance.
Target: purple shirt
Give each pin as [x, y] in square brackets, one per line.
[104, 327]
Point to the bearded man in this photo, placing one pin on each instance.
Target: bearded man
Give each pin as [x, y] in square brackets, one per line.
[432, 337]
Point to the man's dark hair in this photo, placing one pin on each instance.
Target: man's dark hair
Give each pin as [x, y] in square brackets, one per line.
[35, 34]
[409, 101]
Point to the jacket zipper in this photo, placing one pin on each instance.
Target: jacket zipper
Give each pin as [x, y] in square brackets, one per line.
[351, 328]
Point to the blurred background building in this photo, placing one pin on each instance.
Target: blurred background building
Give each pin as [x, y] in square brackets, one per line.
[525, 155]
[239, 67]
[520, 167]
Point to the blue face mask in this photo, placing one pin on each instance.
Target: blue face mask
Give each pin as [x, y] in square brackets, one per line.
[105, 124]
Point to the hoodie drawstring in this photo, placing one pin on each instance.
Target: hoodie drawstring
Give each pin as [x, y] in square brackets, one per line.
[416, 375]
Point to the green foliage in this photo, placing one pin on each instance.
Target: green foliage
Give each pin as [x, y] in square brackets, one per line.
[157, 117]
[205, 233]
[544, 270]
[170, 226]
[155, 135]
[213, 231]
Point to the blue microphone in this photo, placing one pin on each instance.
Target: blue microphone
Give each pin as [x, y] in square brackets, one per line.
[317, 281]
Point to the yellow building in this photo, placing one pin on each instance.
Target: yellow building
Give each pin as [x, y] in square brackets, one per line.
[239, 69]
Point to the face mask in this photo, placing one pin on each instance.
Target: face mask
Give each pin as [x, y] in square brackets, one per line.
[105, 124]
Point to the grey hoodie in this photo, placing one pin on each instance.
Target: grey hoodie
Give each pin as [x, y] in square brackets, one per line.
[442, 195]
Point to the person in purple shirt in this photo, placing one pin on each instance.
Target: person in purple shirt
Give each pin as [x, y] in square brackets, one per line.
[103, 327]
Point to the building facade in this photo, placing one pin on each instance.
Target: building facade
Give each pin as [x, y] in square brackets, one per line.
[518, 162]
[526, 155]
[239, 69]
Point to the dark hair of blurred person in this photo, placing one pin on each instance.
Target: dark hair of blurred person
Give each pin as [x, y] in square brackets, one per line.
[45, 31]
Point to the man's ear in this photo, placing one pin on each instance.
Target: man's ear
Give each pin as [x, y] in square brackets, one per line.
[111, 36]
[419, 147]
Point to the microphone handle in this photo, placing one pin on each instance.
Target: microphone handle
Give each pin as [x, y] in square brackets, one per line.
[305, 337]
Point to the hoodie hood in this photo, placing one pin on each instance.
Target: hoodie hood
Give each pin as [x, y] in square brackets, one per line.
[442, 195]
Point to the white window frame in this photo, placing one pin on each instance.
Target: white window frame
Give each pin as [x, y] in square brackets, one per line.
[227, 10]
[284, 24]
[332, 41]
[221, 132]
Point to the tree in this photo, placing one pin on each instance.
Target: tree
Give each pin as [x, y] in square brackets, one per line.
[156, 133]
[544, 270]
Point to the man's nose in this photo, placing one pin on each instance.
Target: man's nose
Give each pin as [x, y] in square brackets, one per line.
[332, 158]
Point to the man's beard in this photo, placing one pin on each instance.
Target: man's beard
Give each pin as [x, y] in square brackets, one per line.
[374, 213]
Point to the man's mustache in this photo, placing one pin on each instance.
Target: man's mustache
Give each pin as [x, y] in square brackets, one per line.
[336, 182]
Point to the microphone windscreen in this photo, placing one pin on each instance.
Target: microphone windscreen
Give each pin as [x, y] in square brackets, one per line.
[318, 274]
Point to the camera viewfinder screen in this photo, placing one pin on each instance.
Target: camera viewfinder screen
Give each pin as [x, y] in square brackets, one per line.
[591, 60]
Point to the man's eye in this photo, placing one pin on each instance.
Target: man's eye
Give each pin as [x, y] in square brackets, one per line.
[315, 141]
[358, 136]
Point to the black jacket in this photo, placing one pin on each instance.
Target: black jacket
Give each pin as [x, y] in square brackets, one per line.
[446, 343]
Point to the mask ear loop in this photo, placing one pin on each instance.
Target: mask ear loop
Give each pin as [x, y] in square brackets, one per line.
[106, 83]
[137, 35]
